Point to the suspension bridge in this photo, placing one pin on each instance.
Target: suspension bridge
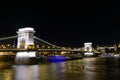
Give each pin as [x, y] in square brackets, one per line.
[26, 41]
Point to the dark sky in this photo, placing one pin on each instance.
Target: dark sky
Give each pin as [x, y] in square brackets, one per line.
[65, 23]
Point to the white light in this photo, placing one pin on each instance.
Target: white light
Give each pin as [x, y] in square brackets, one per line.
[25, 54]
[116, 55]
[32, 54]
[22, 54]
[26, 29]
[88, 53]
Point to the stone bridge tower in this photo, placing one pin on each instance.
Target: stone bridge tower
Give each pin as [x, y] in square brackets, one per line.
[25, 37]
[88, 46]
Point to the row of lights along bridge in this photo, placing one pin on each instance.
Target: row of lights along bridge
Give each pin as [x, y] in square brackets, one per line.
[26, 38]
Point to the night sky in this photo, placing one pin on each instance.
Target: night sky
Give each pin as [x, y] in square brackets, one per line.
[65, 23]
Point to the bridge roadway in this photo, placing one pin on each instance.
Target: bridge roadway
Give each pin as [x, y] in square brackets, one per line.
[38, 50]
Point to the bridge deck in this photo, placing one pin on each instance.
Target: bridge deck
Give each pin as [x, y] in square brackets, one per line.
[17, 50]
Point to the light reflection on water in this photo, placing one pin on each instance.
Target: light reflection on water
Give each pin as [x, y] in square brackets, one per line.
[83, 69]
[6, 72]
[24, 72]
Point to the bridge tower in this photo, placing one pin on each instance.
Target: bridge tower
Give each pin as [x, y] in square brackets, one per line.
[25, 37]
[88, 49]
[88, 46]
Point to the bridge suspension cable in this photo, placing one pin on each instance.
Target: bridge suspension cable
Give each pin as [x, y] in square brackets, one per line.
[45, 42]
[8, 37]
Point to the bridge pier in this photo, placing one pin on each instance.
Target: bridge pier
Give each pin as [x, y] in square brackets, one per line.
[26, 57]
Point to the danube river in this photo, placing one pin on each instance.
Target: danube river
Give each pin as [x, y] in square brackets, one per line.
[99, 68]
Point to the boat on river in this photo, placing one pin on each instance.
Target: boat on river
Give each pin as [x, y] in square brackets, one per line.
[56, 58]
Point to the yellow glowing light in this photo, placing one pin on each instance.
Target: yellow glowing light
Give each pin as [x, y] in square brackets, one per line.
[63, 52]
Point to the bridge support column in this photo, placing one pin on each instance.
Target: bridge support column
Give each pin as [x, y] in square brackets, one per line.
[25, 39]
[26, 57]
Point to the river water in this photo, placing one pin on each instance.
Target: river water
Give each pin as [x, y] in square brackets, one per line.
[98, 68]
